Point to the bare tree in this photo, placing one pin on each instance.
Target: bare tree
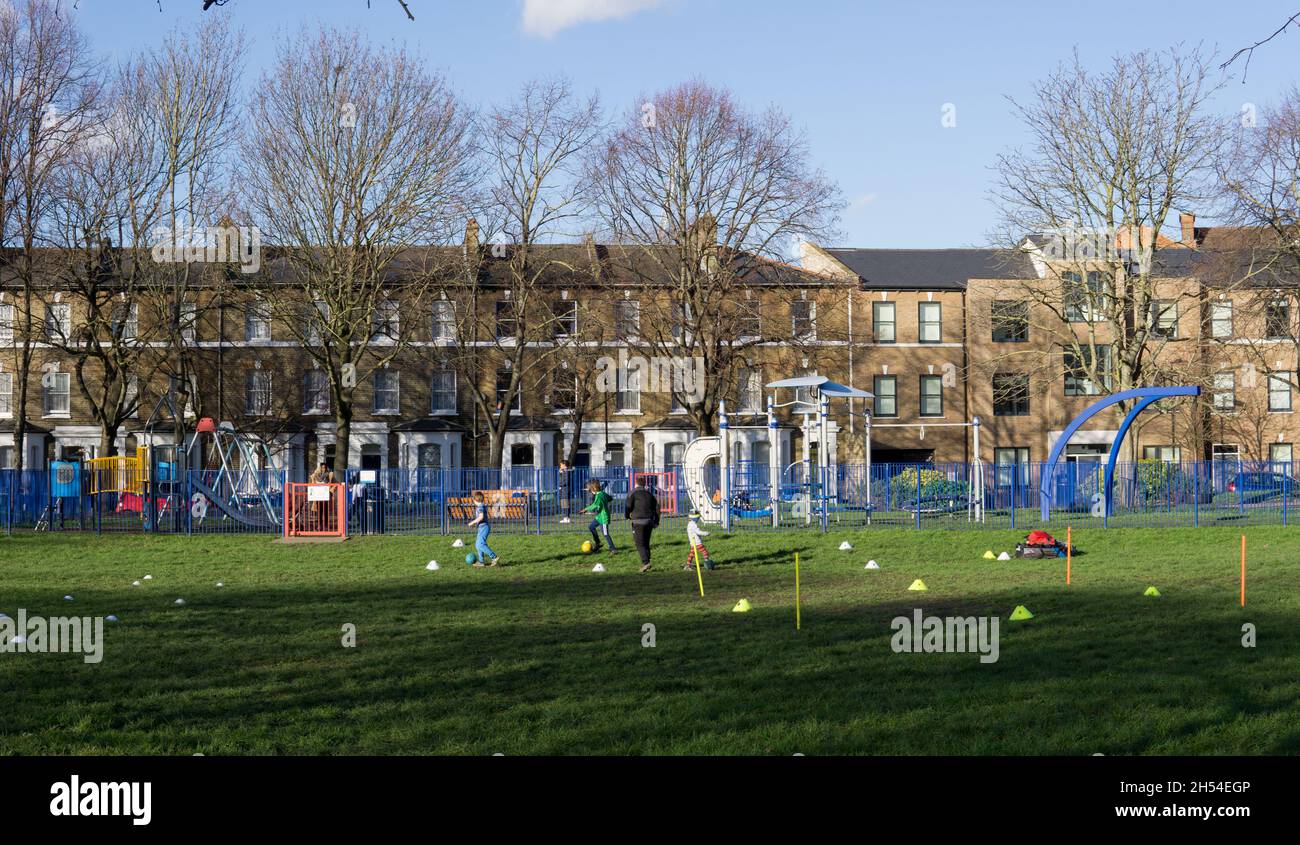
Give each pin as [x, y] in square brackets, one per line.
[356, 155]
[149, 172]
[701, 198]
[1255, 259]
[516, 312]
[1113, 155]
[49, 85]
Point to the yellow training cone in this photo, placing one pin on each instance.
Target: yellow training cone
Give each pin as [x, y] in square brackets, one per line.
[1021, 613]
[742, 606]
[989, 555]
[1152, 592]
[919, 585]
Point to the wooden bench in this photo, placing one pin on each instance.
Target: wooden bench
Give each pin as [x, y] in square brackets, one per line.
[501, 504]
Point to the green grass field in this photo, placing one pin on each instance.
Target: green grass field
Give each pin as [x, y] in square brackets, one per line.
[542, 656]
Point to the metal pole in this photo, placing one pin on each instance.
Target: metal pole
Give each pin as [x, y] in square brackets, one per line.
[773, 462]
[724, 464]
[866, 431]
[823, 454]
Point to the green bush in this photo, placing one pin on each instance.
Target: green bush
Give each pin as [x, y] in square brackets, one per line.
[936, 486]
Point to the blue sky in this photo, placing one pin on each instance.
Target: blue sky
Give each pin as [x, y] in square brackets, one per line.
[866, 80]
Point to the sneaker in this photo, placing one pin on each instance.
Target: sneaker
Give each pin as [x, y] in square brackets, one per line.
[613, 551]
[478, 564]
[645, 567]
[565, 521]
[495, 561]
[687, 568]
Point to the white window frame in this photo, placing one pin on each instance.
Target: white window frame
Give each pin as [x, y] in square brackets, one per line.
[810, 333]
[379, 408]
[444, 321]
[1217, 319]
[434, 392]
[257, 387]
[7, 312]
[58, 315]
[878, 310]
[1279, 385]
[310, 392]
[629, 389]
[922, 323]
[6, 395]
[257, 322]
[1225, 391]
[56, 384]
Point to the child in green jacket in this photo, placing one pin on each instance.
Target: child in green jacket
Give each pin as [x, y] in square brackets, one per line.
[600, 502]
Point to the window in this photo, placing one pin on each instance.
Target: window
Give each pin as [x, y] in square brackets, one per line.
[929, 322]
[749, 323]
[442, 389]
[1080, 372]
[444, 321]
[387, 400]
[57, 394]
[1277, 319]
[387, 320]
[429, 456]
[803, 319]
[1010, 321]
[1280, 453]
[507, 322]
[315, 317]
[760, 452]
[628, 397]
[1279, 391]
[6, 323]
[131, 402]
[1164, 318]
[189, 317]
[1085, 296]
[1010, 395]
[58, 322]
[678, 406]
[564, 391]
[503, 386]
[673, 454]
[627, 320]
[126, 321]
[6, 394]
[1221, 319]
[1011, 465]
[1225, 391]
[681, 321]
[932, 396]
[6, 457]
[521, 455]
[749, 392]
[1168, 454]
[566, 318]
[257, 393]
[882, 322]
[315, 392]
[257, 322]
[886, 390]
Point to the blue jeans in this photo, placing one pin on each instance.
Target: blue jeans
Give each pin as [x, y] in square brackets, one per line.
[603, 528]
[481, 545]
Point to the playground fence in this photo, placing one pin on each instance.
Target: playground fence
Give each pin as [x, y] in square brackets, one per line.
[547, 500]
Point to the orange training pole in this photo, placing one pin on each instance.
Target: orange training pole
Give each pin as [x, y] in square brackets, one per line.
[1243, 570]
[1069, 552]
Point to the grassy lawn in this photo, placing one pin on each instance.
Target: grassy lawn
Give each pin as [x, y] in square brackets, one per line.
[542, 656]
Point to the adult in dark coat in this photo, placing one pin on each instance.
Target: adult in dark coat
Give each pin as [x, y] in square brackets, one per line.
[643, 510]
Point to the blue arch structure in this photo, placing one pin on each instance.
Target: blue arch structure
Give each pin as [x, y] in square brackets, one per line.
[1145, 396]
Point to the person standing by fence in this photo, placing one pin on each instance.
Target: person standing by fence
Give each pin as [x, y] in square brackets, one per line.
[562, 481]
[643, 509]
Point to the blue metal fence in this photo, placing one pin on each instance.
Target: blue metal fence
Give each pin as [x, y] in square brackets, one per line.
[548, 500]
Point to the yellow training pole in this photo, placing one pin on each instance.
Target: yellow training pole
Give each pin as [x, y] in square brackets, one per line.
[1069, 551]
[1243, 570]
[798, 620]
[698, 575]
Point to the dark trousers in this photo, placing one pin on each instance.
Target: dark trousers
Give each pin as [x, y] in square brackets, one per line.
[641, 537]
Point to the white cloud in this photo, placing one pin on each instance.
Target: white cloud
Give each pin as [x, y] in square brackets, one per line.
[547, 17]
[862, 202]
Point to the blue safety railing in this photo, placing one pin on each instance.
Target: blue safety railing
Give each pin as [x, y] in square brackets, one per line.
[548, 500]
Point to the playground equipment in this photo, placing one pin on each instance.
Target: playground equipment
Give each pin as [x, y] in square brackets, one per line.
[816, 415]
[235, 476]
[1143, 397]
[974, 501]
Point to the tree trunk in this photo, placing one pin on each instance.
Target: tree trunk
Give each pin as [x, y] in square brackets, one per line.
[342, 438]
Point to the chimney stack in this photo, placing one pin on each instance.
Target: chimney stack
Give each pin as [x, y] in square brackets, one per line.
[471, 241]
[1187, 221]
